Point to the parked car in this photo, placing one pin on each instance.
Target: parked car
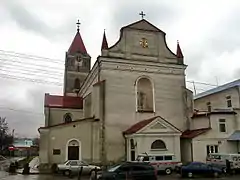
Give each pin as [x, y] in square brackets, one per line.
[194, 169]
[74, 166]
[129, 170]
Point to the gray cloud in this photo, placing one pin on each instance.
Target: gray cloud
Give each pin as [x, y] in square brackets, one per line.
[126, 12]
[26, 19]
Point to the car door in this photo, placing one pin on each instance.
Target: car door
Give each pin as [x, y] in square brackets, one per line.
[85, 167]
[123, 173]
[74, 166]
[139, 172]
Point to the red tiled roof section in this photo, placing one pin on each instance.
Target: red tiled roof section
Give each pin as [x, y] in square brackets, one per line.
[77, 45]
[136, 127]
[189, 134]
[179, 51]
[63, 102]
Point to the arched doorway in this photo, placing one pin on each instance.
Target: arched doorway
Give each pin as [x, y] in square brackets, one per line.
[73, 150]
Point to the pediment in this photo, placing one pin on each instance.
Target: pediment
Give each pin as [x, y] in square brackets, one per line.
[143, 25]
[159, 125]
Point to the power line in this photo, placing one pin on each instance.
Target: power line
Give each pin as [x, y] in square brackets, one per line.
[38, 81]
[36, 71]
[16, 54]
[20, 110]
[28, 73]
[27, 67]
[202, 83]
[30, 64]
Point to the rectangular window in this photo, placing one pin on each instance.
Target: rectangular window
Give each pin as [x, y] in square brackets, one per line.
[229, 101]
[159, 158]
[168, 158]
[212, 149]
[209, 108]
[222, 125]
[56, 151]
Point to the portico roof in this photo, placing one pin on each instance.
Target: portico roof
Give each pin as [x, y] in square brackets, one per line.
[141, 124]
[235, 136]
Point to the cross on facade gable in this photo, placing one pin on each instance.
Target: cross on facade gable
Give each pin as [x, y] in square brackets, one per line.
[142, 14]
[78, 25]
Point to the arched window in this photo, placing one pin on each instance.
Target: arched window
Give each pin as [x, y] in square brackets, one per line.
[67, 118]
[158, 145]
[77, 84]
[144, 95]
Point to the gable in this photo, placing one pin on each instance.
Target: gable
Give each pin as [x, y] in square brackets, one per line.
[143, 25]
[159, 125]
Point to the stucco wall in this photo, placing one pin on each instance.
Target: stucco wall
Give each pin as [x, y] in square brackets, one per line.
[121, 102]
[172, 144]
[57, 115]
[186, 150]
[200, 122]
[215, 137]
[86, 132]
[218, 100]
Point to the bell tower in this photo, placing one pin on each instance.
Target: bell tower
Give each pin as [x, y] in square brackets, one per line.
[77, 65]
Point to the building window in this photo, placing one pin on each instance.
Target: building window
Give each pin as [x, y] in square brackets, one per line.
[144, 95]
[158, 145]
[67, 118]
[132, 148]
[222, 125]
[212, 149]
[56, 151]
[229, 101]
[209, 108]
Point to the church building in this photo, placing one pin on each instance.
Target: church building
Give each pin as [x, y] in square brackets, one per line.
[133, 100]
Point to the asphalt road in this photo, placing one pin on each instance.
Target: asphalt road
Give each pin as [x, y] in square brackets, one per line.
[6, 176]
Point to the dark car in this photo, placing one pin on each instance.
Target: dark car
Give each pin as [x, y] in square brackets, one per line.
[129, 170]
[200, 169]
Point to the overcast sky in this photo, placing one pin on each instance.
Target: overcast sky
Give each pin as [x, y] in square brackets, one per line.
[208, 32]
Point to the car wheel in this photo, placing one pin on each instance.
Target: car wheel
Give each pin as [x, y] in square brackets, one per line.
[67, 173]
[168, 171]
[190, 175]
[215, 174]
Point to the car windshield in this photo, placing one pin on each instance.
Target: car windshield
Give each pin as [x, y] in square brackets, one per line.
[65, 162]
[114, 168]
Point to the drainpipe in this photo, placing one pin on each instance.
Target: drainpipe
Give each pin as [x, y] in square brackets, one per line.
[91, 142]
[209, 120]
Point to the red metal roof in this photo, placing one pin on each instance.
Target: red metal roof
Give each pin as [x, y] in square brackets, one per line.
[179, 51]
[136, 127]
[77, 45]
[70, 102]
[104, 42]
[189, 134]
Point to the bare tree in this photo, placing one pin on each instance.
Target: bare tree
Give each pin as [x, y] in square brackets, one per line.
[5, 138]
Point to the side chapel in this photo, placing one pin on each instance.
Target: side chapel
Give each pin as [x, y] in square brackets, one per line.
[133, 100]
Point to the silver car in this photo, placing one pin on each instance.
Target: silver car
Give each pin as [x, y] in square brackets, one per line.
[74, 166]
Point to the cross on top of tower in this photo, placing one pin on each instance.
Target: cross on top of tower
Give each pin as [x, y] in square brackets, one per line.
[78, 25]
[142, 14]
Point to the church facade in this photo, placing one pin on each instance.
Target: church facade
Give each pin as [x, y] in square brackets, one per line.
[133, 100]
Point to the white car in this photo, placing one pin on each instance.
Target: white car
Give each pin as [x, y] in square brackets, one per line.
[74, 166]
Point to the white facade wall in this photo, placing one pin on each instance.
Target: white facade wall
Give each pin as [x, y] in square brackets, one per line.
[218, 100]
[215, 137]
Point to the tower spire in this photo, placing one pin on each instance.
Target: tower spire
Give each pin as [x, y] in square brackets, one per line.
[179, 51]
[77, 43]
[104, 41]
